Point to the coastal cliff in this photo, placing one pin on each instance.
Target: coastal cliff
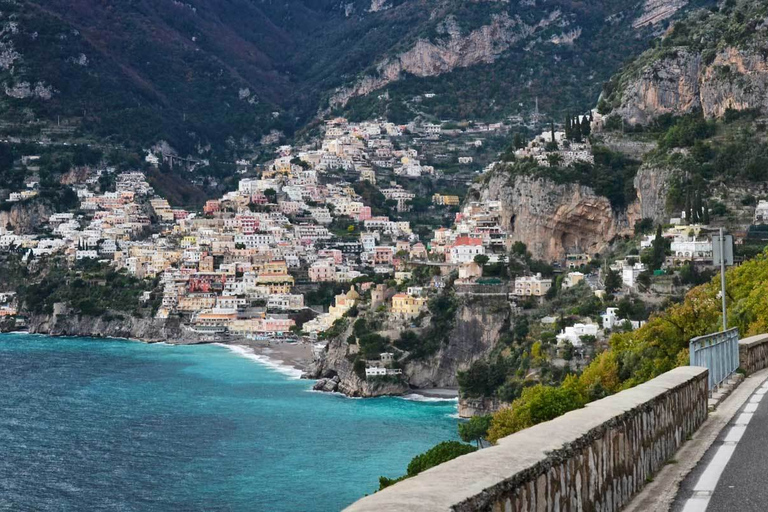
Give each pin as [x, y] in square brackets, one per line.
[64, 323]
[474, 333]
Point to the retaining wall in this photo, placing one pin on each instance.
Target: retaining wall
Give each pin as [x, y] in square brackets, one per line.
[591, 459]
[753, 353]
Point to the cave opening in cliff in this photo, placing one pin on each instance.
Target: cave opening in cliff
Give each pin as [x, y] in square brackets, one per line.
[512, 224]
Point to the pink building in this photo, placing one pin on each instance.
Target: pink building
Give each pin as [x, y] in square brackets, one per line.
[364, 214]
[335, 254]
[322, 271]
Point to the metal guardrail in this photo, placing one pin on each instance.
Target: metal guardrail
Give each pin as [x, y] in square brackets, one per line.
[718, 352]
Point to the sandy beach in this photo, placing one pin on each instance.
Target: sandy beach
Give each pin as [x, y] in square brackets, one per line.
[296, 355]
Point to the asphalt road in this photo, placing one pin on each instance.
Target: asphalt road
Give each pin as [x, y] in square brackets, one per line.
[742, 448]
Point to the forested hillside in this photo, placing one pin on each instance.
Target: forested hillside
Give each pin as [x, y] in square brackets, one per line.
[224, 73]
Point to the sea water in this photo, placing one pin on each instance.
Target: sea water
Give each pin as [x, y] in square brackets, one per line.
[90, 424]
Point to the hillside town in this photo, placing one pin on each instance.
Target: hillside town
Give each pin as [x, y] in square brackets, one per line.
[243, 265]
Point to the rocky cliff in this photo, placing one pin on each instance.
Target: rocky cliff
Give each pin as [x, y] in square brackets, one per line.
[714, 62]
[25, 216]
[64, 323]
[475, 332]
[428, 58]
[554, 219]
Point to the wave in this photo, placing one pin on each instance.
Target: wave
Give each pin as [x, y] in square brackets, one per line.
[415, 397]
[334, 393]
[273, 364]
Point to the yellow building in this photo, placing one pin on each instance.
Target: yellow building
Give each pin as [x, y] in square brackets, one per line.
[196, 302]
[443, 200]
[405, 306]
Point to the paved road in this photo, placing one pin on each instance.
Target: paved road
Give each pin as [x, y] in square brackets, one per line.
[733, 474]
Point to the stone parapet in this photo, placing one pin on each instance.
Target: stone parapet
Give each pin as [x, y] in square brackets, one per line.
[753, 353]
[595, 458]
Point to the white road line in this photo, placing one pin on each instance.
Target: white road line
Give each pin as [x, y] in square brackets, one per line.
[696, 505]
[735, 434]
[708, 480]
[702, 491]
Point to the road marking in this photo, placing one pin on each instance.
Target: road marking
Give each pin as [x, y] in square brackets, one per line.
[708, 480]
[702, 491]
[735, 434]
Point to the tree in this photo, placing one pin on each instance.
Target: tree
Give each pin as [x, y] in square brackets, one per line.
[612, 281]
[586, 128]
[481, 259]
[476, 429]
[568, 126]
[658, 250]
[270, 194]
[552, 131]
[576, 129]
[443, 452]
[518, 142]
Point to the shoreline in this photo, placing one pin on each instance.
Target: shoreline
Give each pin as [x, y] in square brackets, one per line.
[291, 359]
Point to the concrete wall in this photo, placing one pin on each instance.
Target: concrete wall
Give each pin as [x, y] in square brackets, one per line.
[595, 458]
[753, 353]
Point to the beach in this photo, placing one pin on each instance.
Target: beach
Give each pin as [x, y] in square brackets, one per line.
[291, 358]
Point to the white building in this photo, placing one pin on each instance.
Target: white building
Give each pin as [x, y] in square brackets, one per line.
[574, 333]
[685, 248]
[611, 319]
[629, 274]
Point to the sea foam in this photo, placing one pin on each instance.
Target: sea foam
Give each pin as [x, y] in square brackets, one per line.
[273, 364]
[415, 397]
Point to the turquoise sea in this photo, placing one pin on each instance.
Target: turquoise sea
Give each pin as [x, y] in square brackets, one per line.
[93, 425]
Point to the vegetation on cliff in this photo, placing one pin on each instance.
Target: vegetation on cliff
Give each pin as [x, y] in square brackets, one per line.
[443, 452]
[658, 346]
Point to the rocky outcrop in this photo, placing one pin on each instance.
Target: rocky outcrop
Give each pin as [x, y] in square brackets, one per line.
[554, 219]
[681, 81]
[656, 11]
[476, 329]
[26, 216]
[432, 58]
[65, 323]
[469, 407]
[651, 186]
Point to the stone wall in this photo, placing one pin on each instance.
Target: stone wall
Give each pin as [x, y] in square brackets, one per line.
[595, 458]
[753, 353]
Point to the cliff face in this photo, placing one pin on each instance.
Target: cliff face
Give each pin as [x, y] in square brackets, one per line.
[553, 219]
[63, 323]
[428, 58]
[473, 336]
[24, 217]
[475, 333]
[682, 82]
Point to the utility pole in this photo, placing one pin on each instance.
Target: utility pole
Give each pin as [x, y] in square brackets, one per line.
[722, 277]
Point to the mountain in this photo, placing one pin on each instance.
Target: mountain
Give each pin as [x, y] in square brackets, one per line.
[224, 73]
[713, 61]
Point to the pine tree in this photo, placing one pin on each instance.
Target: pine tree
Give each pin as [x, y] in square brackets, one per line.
[552, 129]
[586, 129]
[697, 208]
[688, 213]
[568, 126]
[576, 130]
[658, 250]
[705, 214]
